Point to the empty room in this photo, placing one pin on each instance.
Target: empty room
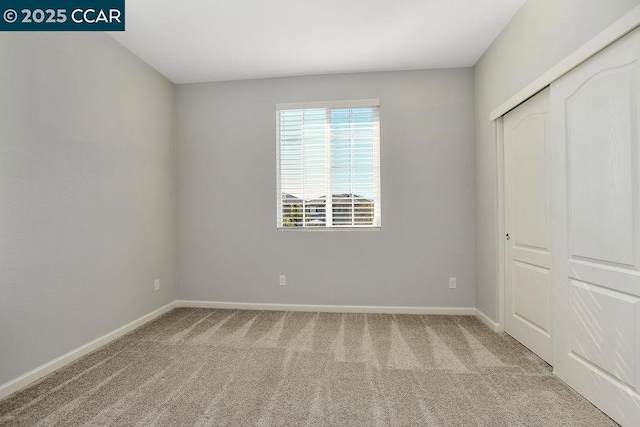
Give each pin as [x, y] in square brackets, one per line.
[320, 213]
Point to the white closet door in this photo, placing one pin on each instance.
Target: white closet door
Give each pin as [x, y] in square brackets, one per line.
[595, 113]
[528, 224]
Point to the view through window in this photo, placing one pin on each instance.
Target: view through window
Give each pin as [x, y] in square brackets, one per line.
[329, 165]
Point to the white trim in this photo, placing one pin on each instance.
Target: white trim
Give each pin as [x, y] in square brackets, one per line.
[495, 327]
[30, 377]
[323, 229]
[456, 311]
[24, 380]
[612, 33]
[357, 103]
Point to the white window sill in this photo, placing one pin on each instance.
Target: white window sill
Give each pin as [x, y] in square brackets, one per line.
[330, 229]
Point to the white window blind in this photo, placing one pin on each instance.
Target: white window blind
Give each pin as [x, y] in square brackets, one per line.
[328, 159]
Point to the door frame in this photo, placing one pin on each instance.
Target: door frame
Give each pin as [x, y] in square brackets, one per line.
[621, 27]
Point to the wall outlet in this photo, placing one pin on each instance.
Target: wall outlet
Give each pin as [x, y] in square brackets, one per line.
[452, 283]
[156, 285]
[283, 280]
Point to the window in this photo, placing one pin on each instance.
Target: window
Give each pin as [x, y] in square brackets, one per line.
[328, 157]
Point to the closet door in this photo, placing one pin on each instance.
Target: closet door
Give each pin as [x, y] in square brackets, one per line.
[595, 115]
[528, 225]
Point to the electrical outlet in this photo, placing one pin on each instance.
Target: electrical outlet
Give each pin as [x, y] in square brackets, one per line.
[283, 280]
[452, 282]
[156, 285]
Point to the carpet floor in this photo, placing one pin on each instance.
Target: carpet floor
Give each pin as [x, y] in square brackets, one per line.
[233, 367]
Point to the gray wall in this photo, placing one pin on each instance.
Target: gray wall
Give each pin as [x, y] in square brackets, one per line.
[541, 34]
[229, 249]
[87, 193]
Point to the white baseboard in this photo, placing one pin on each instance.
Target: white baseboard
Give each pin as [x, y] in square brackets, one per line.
[495, 327]
[43, 370]
[24, 380]
[459, 311]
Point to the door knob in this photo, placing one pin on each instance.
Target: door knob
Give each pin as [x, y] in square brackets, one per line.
[508, 237]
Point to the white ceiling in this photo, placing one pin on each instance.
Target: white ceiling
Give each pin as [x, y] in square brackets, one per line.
[214, 40]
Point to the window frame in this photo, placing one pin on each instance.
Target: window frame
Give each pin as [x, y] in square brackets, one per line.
[360, 103]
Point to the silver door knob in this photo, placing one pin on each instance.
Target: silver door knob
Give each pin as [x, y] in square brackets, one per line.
[508, 237]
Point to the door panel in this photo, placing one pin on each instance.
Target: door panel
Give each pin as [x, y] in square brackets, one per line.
[530, 180]
[596, 228]
[608, 342]
[531, 294]
[600, 110]
[527, 221]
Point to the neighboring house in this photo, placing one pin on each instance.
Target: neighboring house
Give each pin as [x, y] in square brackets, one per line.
[347, 209]
[291, 211]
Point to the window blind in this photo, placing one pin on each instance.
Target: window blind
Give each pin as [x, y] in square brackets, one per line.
[328, 165]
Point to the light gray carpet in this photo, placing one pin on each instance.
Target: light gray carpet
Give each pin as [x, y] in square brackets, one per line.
[233, 367]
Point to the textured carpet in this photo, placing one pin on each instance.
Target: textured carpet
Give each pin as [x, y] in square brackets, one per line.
[233, 367]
